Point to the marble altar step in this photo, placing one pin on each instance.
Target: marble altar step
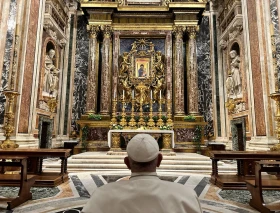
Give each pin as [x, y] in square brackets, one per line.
[101, 162]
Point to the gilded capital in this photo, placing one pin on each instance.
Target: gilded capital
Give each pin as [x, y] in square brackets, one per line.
[107, 30]
[93, 30]
[192, 30]
[178, 31]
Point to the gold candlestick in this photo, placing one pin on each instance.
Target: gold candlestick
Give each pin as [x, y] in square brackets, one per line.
[169, 121]
[123, 120]
[141, 121]
[10, 99]
[151, 122]
[9, 125]
[114, 119]
[160, 121]
[132, 122]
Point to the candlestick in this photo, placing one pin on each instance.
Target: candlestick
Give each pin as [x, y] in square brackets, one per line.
[17, 30]
[160, 94]
[115, 94]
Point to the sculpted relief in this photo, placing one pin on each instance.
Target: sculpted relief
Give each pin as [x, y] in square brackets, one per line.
[51, 75]
[233, 82]
[235, 103]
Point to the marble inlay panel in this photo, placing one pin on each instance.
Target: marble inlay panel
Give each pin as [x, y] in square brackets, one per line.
[29, 68]
[98, 134]
[37, 192]
[81, 70]
[7, 57]
[243, 196]
[256, 69]
[184, 135]
[274, 16]
[204, 75]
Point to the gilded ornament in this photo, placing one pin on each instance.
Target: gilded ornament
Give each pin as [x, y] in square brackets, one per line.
[178, 31]
[230, 104]
[192, 31]
[166, 141]
[93, 30]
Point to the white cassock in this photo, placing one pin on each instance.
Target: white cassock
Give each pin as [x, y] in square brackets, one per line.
[143, 193]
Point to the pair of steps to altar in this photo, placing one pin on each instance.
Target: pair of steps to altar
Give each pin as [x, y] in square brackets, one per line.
[102, 162]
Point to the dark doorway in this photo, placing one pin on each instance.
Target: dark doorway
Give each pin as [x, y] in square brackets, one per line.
[240, 137]
[44, 135]
[45, 132]
[238, 132]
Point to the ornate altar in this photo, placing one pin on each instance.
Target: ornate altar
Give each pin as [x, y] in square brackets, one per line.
[141, 89]
[138, 59]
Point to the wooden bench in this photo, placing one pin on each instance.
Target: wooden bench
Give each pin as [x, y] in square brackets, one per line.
[35, 163]
[22, 180]
[259, 183]
[245, 167]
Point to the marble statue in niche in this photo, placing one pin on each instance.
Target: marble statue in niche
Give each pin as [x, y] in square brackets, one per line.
[233, 82]
[51, 79]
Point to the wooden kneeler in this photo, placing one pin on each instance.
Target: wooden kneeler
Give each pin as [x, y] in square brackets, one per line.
[256, 186]
[24, 181]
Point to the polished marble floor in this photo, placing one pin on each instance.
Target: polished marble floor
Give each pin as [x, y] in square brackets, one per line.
[74, 193]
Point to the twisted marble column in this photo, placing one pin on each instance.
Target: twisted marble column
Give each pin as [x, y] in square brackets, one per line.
[179, 71]
[92, 79]
[192, 80]
[105, 101]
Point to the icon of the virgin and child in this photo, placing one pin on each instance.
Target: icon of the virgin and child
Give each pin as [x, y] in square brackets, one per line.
[142, 72]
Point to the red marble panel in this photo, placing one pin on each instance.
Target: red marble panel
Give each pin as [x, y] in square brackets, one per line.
[29, 68]
[256, 69]
[269, 109]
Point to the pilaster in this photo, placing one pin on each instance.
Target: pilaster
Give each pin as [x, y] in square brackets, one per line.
[92, 79]
[178, 71]
[192, 80]
[105, 71]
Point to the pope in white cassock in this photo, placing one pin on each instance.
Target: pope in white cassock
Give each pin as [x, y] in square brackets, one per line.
[144, 192]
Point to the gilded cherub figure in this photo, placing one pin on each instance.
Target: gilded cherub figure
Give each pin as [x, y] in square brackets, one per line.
[124, 65]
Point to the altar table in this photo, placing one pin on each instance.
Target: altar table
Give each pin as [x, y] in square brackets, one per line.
[144, 131]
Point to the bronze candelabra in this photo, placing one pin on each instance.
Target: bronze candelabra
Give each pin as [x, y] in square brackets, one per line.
[123, 120]
[9, 125]
[169, 121]
[132, 122]
[151, 122]
[11, 96]
[160, 121]
[114, 119]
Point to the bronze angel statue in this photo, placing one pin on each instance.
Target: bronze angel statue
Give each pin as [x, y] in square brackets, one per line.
[124, 62]
[159, 63]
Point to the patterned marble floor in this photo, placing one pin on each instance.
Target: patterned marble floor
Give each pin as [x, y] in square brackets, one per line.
[74, 194]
